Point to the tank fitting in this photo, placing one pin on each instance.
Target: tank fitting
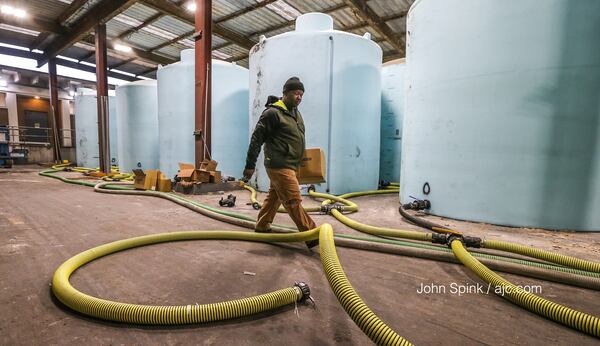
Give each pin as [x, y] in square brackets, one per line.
[417, 204]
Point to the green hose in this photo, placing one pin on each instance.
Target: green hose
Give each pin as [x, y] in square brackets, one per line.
[577, 320]
[566, 261]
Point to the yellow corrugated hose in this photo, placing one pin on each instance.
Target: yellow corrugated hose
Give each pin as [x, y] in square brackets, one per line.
[377, 330]
[575, 319]
[193, 313]
[360, 313]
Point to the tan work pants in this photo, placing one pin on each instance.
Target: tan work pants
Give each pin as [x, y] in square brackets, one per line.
[284, 189]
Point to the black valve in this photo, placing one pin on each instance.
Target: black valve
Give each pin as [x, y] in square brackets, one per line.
[326, 209]
[227, 202]
[384, 183]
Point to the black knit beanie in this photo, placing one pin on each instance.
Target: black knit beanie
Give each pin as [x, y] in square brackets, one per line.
[293, 83]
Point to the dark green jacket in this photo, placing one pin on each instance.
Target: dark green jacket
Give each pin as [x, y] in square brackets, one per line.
[282, 132]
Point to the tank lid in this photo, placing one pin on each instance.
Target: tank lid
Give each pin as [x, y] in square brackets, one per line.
[187, 55]
[314, 21]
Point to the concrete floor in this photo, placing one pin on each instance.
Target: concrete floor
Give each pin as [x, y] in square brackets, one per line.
[43, 222]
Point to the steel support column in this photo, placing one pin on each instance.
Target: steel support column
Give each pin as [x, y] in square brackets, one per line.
[102, 99]
[202, 84]
[54, 108]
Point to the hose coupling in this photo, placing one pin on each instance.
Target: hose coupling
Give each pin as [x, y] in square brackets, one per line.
[439, 238]
[256, 205]
[326, 209]
[311, 188]
[417, 204]
[303, 290]
[466, 240]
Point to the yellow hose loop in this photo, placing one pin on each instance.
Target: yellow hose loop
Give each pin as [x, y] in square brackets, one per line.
[575, 319]
[360, 313]
[183, 314]
[379, 231]
[564, 260]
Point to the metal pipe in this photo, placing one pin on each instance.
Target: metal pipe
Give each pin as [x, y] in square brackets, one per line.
[202, 84]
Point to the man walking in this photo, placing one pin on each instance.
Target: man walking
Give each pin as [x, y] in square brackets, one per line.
[281, 129]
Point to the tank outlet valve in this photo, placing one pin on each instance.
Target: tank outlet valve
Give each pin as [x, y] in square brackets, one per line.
[227, 202]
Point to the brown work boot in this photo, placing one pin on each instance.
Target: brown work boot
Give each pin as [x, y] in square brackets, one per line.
[312, 243]
[268, 230]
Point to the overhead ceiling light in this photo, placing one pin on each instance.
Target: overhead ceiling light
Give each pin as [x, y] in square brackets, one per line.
[8, 9]
[19, 13]
[71, 92]
[36, 97]
[122, 48]
[3, 83]
[191, 6]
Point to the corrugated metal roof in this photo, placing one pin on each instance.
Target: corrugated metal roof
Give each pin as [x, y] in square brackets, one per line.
[222, 8]
[115, 28]
[140, 12]
[144, 40]
[387, 7]
[258, 20]
[42, 8]
[306, 6]
[172, 51]
[267, 19]
[173, 25]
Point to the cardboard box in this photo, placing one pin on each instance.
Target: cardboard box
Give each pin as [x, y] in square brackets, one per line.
[164, 184]
[215, 177]
[202, 176]
[186, 171]
[145, 180]
[312, 167]
[209, 165]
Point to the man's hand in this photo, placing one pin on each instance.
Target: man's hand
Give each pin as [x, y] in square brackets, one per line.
[248, 172]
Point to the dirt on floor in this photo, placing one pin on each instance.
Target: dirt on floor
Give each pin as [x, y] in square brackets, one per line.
[44, 222]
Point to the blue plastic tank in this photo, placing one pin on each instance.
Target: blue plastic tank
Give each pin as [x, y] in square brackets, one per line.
[392, 113]
[138, 125]
[86, 128]
[341, 107]
[502, 121]
[229, 137]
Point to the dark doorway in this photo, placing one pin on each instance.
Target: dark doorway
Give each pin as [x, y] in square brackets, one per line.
[3, 117]
[36, 127]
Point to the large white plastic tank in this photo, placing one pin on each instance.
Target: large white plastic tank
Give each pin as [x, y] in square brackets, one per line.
[503, 111]
[392, 113]
[341, 107]
[138, 125]
[86, 128]
[229, 136]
